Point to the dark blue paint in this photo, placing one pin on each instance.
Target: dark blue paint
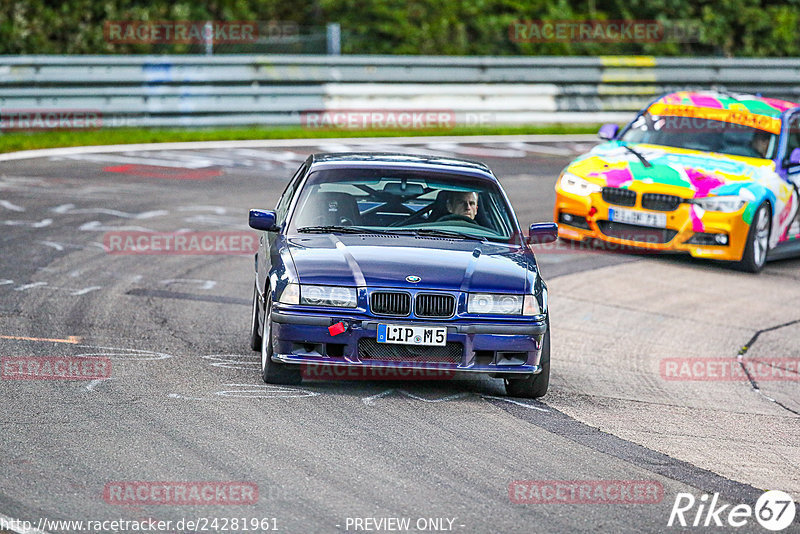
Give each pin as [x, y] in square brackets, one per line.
[369, 262]
[543, 233]
[263, 220]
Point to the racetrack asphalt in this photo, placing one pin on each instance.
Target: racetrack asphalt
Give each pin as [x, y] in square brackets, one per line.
[184, 402]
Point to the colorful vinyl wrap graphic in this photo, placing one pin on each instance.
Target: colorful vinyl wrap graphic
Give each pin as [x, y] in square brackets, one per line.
[640, 193]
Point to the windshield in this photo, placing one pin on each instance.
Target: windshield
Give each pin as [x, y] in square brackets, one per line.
[401, 201]
[695, 133]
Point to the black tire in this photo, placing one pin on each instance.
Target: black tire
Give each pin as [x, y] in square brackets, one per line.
[533, 386]
[275, 372]
[755, 250]
[255, 327]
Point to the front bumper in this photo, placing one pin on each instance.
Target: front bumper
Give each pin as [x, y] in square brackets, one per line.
[495, 348]
[590, 217]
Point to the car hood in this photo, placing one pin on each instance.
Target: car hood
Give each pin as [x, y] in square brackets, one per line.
[386, 261]
[686, 173]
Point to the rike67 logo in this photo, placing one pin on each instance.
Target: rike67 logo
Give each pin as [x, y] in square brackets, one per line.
[774, 510]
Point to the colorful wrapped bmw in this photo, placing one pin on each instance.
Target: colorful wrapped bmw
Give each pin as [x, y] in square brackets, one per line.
[715, 175]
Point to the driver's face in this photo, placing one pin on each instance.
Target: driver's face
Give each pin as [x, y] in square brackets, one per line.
[465, 204]
[760, 144]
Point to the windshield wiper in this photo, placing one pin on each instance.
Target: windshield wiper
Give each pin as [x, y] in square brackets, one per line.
[639, 155]
[432, 232]
[332, 229]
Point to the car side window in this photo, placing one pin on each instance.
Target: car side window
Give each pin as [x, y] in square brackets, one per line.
[286, 198]
[793, 140]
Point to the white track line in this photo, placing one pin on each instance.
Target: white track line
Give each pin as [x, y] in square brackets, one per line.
[9, 206]
[96, 382]
[370, 401]
[518, 403]
[442, 399]
[273, 143]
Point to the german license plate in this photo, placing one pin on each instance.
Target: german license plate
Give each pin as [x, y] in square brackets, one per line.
[642, 218]
[412, 335]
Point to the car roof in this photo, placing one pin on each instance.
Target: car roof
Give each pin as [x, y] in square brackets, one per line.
[754, 104]
[400, 160]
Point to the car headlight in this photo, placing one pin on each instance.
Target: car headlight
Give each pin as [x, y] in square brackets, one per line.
[578, 186]
[494, 304]
[530, 306]
[290, 295]
[339, 297]
[727, 204]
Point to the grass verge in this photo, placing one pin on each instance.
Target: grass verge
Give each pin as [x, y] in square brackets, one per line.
[13, 141]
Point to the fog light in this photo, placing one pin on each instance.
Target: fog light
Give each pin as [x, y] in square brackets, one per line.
[573, 220]
[706, 238]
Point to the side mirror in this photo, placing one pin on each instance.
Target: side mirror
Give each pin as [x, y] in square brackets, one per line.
[543, 233]
[608, 131]
[263, 220]
[794, 157]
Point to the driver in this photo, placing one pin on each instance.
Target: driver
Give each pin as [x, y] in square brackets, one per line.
[465, 204]
[760, 143]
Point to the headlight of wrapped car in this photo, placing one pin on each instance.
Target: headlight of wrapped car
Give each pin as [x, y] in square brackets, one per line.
[725, 203]
[578, 186]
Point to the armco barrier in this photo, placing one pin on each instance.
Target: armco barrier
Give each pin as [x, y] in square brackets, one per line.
[269, 90]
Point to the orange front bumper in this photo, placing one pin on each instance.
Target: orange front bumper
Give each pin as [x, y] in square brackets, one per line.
[680, 228]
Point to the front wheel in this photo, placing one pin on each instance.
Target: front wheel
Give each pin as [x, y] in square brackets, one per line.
[533, 386]
[274, 372]
[755, 250]
[255, 327]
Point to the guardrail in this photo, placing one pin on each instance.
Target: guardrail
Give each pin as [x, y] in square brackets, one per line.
[270, 90]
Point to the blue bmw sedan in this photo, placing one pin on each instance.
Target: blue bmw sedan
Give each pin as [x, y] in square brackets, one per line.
[379, 261]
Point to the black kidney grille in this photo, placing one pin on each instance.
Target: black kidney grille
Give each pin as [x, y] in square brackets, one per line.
[632, 232]
[390, 303]
[619, 196]
[656, 201]
[431, 305]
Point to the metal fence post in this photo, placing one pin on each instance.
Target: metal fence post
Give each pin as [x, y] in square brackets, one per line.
[334, 32]
[209, 37]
